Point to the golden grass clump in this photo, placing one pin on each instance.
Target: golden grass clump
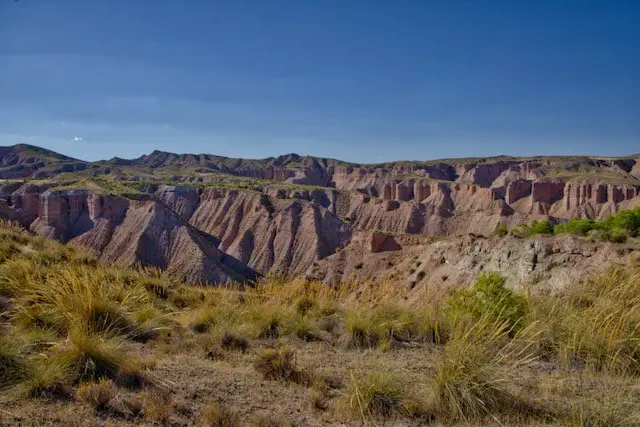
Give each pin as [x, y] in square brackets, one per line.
[381, 395]
[596, 325]
[473, 376]
[604, 323]
[218, 415]
[280, 364]
[14, 365]
[99, 394]
[90, 357]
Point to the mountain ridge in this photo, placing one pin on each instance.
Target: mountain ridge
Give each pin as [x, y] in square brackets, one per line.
[214, 219]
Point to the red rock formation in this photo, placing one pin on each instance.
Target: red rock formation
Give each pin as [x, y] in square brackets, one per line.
[547, 192]
[421, 190]
[404, 191]
[286, 240]
[516, 190]
[484, 174]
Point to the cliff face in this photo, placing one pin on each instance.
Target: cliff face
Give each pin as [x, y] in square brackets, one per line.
[209, 235]
[213, 235]
[309, 209]
[282, 236]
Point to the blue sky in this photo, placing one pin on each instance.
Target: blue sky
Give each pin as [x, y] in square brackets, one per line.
[364, 81]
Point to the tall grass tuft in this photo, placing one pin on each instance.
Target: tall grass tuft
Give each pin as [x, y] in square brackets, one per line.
[472, 379]
[600, 324]
[381, 395]
[90, 357]
[14, 366]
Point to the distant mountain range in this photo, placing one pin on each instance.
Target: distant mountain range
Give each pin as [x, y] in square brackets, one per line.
[214, 219]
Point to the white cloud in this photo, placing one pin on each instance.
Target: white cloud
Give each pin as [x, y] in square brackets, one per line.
[77, 138]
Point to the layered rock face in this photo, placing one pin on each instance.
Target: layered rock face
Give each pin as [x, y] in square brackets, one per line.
[423, 265]
[311, 208]
[282, 236]
[210, 235]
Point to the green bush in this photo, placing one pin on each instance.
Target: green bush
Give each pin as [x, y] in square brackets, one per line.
[615, 235]
[581, 227]
[626, 220]
[501, 231]
[540, 227]
[488, 297]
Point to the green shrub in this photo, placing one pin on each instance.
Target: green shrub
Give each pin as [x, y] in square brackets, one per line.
[580, 227]
[539, 227]
[501, 231]
[627, 220]
[488, 297]
[615, 235]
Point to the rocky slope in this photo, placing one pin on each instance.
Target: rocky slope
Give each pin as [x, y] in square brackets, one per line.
[210, 235]
[300, 211]
[425, 265]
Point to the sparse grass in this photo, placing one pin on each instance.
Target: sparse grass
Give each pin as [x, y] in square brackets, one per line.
[280, 364]
[99, 394]
[472, 378]
[380, 394]
[75, 322]
[217, 415]
[158, 405]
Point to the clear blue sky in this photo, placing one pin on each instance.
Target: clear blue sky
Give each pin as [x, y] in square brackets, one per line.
[358, 80]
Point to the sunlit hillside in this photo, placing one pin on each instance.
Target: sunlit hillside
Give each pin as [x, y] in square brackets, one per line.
[85, 343]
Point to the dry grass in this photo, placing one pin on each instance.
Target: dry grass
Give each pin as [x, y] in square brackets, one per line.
[99, 394]
[216, 415]
[381, 395]
[88, 357]
[73, 322]
[230, 341]
[14, 366]
[280, 364]
[473, 376]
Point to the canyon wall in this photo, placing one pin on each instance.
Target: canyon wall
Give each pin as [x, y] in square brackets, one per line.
[210, 235]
